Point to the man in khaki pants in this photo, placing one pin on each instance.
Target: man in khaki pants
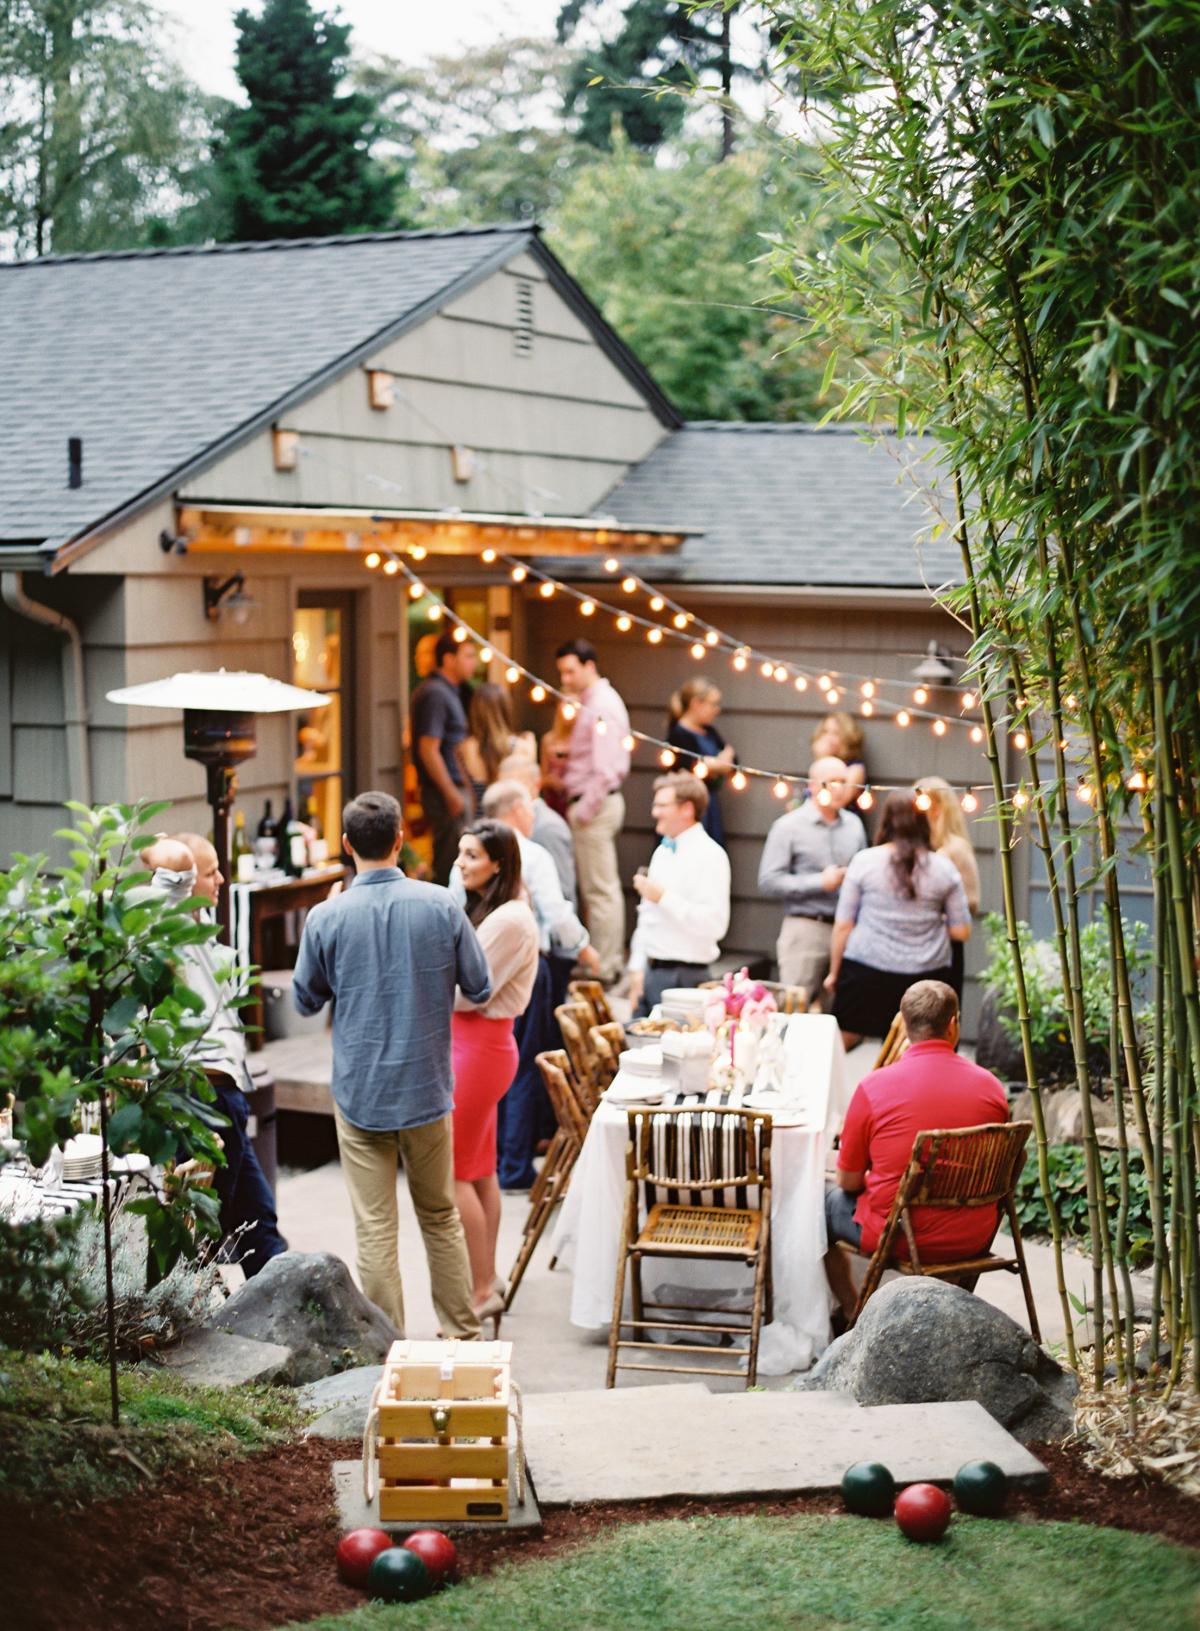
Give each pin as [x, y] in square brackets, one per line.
[389, 952]
[597, 765]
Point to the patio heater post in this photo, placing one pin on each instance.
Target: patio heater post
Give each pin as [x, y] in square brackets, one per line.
[219, 740]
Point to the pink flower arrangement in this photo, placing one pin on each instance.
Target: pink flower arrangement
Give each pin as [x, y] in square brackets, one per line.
[739, 998]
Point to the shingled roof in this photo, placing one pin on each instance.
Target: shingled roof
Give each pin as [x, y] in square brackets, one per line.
[793, 505]
[161, 361]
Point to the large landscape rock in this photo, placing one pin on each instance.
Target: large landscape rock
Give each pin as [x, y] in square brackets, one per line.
[341, 1401]
[216, 1359]
[306, 1301]
[920, 1341]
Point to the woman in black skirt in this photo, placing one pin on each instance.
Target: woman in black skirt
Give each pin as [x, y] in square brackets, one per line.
[900, 907]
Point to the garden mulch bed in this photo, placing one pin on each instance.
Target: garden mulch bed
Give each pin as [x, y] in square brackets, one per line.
[251, 1546]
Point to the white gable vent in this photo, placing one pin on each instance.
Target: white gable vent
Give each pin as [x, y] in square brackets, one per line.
[523, 331]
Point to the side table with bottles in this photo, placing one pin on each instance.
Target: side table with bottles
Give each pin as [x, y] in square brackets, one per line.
[263, 936]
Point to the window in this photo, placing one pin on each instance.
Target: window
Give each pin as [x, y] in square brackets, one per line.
[321, 661]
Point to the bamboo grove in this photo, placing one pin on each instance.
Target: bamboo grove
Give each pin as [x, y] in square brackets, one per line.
[1019, 278]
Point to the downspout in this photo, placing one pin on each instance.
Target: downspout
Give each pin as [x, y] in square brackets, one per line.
[79, 767]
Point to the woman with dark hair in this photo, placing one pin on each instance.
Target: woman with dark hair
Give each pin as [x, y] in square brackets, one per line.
[491, 738]
[900, 907]
[484, 1052]
[694, 708]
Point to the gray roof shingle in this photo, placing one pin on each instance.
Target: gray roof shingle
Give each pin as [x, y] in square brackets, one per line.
[792, 505]
[154, 358]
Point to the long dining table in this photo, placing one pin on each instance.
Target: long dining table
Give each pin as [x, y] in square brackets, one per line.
[807, 1107]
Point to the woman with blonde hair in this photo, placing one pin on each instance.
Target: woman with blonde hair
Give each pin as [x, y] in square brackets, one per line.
[949, 837]
[556, 745]
[691, 730]
[839, 736]
[491, 739]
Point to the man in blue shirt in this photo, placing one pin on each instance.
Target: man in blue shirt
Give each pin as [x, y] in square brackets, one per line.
[388, 953]
[439, 726]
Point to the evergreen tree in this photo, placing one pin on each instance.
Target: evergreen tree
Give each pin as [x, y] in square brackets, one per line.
[295, 162]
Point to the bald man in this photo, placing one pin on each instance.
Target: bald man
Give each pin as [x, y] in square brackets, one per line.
[185, 867]
[803, 863]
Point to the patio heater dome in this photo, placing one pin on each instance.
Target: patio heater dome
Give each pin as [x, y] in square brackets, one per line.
[219, 708]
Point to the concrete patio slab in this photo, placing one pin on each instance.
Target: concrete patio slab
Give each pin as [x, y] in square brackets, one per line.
[644, 1444]
[355, 1512]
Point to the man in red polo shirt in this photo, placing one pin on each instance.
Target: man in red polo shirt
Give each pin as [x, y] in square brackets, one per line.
[929, 1087]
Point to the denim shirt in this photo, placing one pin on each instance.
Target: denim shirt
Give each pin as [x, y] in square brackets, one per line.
[388, 953]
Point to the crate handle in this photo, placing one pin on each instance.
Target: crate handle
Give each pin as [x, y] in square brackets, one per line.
[516, 1411]
[370, 1438]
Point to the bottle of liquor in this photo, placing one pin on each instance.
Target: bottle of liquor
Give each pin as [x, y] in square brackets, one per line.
[241, 856]
[318, 849]
[266, 844]
[292, 851]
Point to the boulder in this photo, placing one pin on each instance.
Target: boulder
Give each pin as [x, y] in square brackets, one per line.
[994, 1048]
[341, 1402]
[922, 1341]
[306, 1301]
[216, 1359]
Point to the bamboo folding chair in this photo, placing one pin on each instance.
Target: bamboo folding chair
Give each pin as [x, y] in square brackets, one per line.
[589, 994]
[693, 1153]
[895, 1044]
[574, 1025]
[958, 1168]
[607, 1043]
[551, 1183]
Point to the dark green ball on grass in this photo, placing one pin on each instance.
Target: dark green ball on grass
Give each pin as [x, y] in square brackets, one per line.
[398, 1576]
[981, 1488]
[869, 1489]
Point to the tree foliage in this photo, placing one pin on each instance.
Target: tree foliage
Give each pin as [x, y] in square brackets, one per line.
[295, 162]
[100, 132]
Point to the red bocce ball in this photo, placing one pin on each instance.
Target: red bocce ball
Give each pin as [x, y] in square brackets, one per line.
[357, 1551]
[437, 1552]
[923, 1512]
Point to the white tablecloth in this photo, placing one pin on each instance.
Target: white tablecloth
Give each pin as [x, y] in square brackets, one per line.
[588, 1234]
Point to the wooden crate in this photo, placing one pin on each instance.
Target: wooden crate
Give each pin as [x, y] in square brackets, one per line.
[443, 1432]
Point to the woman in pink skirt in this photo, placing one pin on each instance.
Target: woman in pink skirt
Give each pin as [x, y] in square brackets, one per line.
[484, 1052]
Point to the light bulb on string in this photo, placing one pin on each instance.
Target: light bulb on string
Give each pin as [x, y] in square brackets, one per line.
[629, 585]
[628, 743]
[824, 682]
[1020, 741]
[666, 758]
[602, 727]
[518, 574]
[739, 662]
[488, 556]
[681, 620]
[781, 788]
[866, 799]
[923, 801]
[700, 769]
[1137, 782]
[833, 696]
[969, 802]
[780, 673]
[415, 591]
[698, 650]
[1085, 793]
[418, 552]
[1070, 702]
[968, 699]
[569, 710]
[372, 560]
[657, 604]
[546, 590]
[977, 734]
[512, 675]
[612, 564]
[920, 696]
[867, 708]
[712, 638]
[654, 636]
[460, 634]
[624, 623]
[867, 688]
[738, 781]
[587, 608]
[824, 797]
[1020, 799]
[939, 727]
[485, 655]
[435, 612]
[391, 568]
[903, 718]
[538, 694]
[766, 670]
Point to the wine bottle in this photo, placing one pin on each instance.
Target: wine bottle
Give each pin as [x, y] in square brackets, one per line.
[292, 851]
[266, 843]
[240, 854]
[318, 849]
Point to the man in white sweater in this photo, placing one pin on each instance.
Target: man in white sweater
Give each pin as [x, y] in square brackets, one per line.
[684, 909]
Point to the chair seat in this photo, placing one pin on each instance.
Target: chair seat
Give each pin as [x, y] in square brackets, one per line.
[715, 1230]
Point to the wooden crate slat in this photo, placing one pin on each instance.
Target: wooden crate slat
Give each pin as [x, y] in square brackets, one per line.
[411, 1503]
[413, 1418]
[400, 1461]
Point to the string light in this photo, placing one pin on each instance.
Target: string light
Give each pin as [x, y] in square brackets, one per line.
[923, 801]
[766, 670]
[434, 613]
[969, 802]
[976, 734]
[698, 650]
[738, 781]
[612, 565]
[546, 590]
[739, 662]
[867, 709]
[460, 634]
[602, 727]
[657, 604]
[866, 799]
[391, 568]
[587, 608]
[832, 697]
[681, 620]
[373, 559]
[903, 718]
[418, 552]
[867, 688]
[518, 574]
[1084, 793]
[1070, 702]
[415, 591]
[968, 699]
[712, 638]
[629, 585]
[512, 675]
[780, 673]
[485, 655]
[800, 683]
[654, 636]
[624, 623]
[538, 694]
[488, 557]
[1020, 741]
[628, 743]
[920, 696]
[824, 682]
[781, 789]
[1020, 799]
[824, 797]
[569, 710]
[1137, 782]
[666, 758]
[939, 727]
[700, 769]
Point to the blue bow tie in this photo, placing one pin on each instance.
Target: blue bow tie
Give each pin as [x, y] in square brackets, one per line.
[667, 843]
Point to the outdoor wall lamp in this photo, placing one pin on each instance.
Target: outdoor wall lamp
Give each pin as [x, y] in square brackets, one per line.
[172, 543]
[934, 668]
[228, 599]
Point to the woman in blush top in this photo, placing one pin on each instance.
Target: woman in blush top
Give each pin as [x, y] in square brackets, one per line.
[900, 908]
[484, 1051]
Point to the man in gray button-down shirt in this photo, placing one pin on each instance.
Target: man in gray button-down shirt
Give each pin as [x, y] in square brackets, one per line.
[388, 953]
[803, 863]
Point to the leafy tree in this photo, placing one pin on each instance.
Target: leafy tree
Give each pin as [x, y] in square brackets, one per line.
[674, 257]
[99, 130]
[295, 162]
[479, 136]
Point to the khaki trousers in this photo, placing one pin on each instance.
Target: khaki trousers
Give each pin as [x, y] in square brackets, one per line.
[803, 953]
[369, 1161]
[600, 891]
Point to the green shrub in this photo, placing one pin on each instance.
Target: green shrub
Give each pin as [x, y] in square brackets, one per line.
[1068, 1178]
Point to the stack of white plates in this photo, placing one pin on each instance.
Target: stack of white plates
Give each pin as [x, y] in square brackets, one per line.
[683, 1003]
[640, 1078]
[82, 1159]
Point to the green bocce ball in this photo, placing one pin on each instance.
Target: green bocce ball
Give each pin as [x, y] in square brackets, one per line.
[981, 1488]
[869, 1489]
[398, 1576]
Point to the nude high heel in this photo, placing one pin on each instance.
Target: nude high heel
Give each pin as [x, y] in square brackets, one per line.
[492, 1309]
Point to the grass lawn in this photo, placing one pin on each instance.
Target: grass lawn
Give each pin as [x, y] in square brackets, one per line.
[57, 1442]
[813, 1573]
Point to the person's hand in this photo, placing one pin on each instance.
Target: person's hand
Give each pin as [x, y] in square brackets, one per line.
[589, 958]
[725, 757]
[829, 983]
[637, 985]
[831, 878]
[455, 804]
[647, 887]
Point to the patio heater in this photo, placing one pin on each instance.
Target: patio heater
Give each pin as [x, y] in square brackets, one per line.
[220, 710]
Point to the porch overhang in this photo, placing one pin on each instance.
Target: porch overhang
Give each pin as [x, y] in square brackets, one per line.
[272, 529]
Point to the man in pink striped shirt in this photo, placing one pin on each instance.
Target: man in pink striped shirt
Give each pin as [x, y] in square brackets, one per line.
[597, 765]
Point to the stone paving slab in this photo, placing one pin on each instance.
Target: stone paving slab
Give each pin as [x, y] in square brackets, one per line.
[644, 1444]
[354, 1512]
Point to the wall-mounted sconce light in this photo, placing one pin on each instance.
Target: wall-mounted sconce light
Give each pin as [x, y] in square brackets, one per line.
[228, 599]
